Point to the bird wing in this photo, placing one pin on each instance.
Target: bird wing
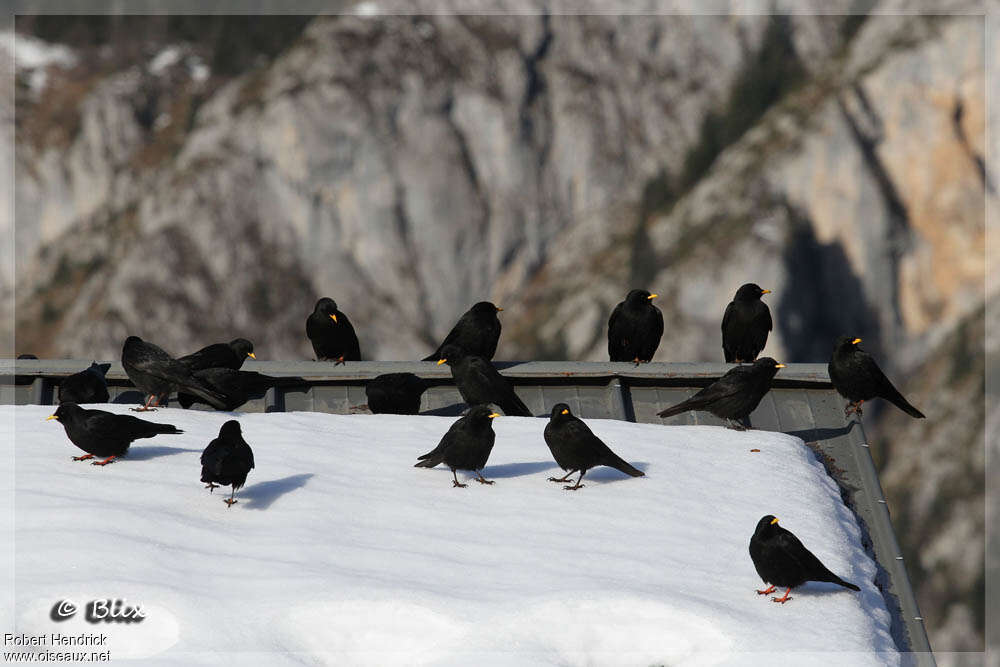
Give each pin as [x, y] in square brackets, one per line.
[502, 390]
[792, 548]
[207, 357]
[215, 454]
[613, 334]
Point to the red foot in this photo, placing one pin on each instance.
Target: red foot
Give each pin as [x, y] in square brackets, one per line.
[770, 589]
[340, 361]
[83, 458]
[784, 598]
[110, 459]
[458, 485]
[230, 501]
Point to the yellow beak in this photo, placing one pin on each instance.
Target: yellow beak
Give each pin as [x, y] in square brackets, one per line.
[51, 417]
[565, 412]
[333, 317]
[855, 341]
[779, 365]
[251, 355]
[766, 291]
[499, 309]
[441, 361]
[774, 521]
[652, 296]
[494, 415]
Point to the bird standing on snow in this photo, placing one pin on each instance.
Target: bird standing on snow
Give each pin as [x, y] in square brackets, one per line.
[479, 383]
[635, 328]
[87, 386]
[857, 377]
[477, 332]
[395, 394]
[157, 374]
[466, 445]
[782, 560]
[227, 460]
[105, 434]
[220, 355]
[733, 396]
[745, 324]
[331, 333]
[575, 447]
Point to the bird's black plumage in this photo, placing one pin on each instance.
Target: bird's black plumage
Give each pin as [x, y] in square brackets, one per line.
[105, 434]
[88, 386]
[331, 333]
[479, 383]
[635, 328]
[227, 460]
[576, 449]
[782, 560]
[745, 324]
[857, 377]
[235, 387]
[220, 355]
[395, 394]
[466, 445]
[733, 396]
[477, 332]
[157, 374]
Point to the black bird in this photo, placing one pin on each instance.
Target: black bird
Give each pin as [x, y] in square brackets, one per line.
[157, 374]
[635, 328]
[857, 377]
[235, 387]
[745, 324]
[575, 447]
[87, 386]
[477, 332]
[104, 434]
[227, 460]
[331, 333]
[782, 560]
[733, 396]
[479, 383]
[395, 394]
[220, 355]
[466, 445]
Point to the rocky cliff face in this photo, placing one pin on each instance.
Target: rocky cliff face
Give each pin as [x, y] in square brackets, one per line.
[409, 166]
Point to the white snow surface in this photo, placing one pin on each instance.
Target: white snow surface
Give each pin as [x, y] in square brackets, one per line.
[340, 552]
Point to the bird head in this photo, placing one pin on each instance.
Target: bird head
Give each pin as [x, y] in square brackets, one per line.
[846, 344]
[231, 429]
[485, 309]
[637, 297]
[241, 347]
[482, 414]
[750, 292]
[326, 306]
[768, 525]
[560, 412]
[63, 411]
[451, 355]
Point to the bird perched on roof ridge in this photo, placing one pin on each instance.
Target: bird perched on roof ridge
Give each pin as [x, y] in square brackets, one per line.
[220, 355]
[466, 445]
[745, 324]
[157, 374]
[477, 332]
[105, 434]
[857, 377]
[782, 560]
[227, 460]
[480, 383]
[575, 447]
[733, 396]
[87, 386]
[331, 333]
[635, 328]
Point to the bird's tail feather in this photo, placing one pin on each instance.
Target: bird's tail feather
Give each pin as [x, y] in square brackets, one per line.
[216, 400]
[897, 399]
[834, 579]
[618, 463]
[167, 428]
[186, 400]
[427, 463]
[683, 406]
